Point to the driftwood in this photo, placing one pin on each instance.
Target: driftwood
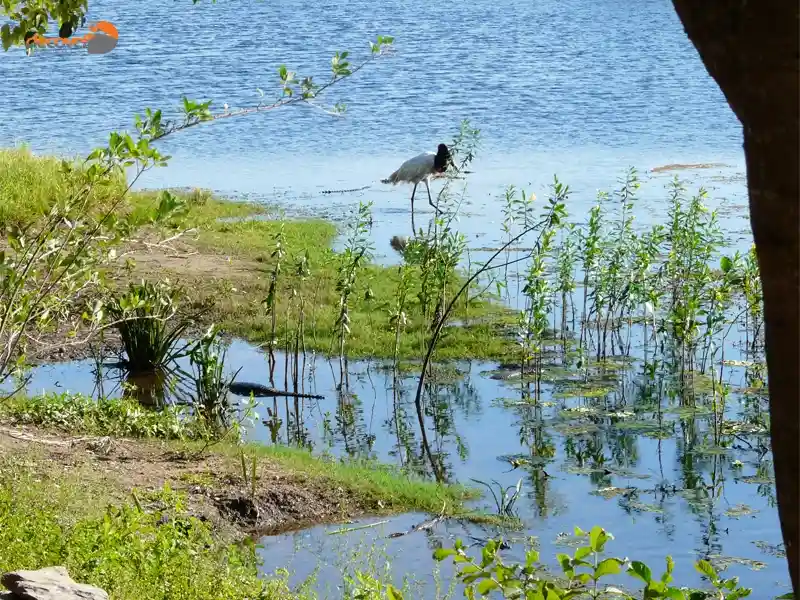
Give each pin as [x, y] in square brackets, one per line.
[263, 391]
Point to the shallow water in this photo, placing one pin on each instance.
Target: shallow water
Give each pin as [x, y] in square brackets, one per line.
[576, 446]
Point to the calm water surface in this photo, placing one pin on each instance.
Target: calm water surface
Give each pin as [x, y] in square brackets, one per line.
[577, 448]
[574, 88]
[579, 89]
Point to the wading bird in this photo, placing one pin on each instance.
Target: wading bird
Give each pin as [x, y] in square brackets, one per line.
[421, 168]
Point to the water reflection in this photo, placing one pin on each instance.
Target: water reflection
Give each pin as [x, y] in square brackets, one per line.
[664, 468]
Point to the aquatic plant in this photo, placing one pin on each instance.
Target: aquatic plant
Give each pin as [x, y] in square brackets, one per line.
[358, 250]
[505, 499]
[581, 574]
[209, 385]
[271, 301]
[149, 324]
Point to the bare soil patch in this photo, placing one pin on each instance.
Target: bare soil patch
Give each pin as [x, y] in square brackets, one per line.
[213, 482]
[205, 275]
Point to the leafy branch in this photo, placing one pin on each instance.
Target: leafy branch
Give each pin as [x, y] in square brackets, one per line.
[294, 91]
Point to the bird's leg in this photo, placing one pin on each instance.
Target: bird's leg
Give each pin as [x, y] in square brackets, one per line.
[430, 200]
[414, 191]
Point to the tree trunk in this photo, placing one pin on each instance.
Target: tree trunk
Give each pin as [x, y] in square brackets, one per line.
[750, 48]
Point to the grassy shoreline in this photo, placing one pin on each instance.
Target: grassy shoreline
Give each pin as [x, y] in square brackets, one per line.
[223, 255]
[147, 517]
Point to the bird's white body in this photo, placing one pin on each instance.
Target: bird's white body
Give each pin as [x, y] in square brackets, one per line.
[420, 169]
[414, 170]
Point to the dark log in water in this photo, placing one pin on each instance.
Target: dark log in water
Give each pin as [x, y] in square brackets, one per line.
[262, 391]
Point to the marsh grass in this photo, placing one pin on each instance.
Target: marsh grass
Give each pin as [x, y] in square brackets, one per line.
[30, 185]
[371, 298]
[149, 325]
[126, 550]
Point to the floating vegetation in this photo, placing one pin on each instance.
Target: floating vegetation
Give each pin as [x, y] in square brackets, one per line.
[642, 507]
[571, 540]
[737, 427]
[683, 412]
[584, 391]
[776, 550]
[574, 429]
[740, 510]
[642, 426]
[612, 492]
[710, 450]
[757, 479]
[579, 411]
[721, 563]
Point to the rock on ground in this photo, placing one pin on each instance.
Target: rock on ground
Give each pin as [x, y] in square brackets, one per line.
[49, 583]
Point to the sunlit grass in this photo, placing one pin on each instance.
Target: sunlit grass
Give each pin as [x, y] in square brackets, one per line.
[240, 236]
[128, 552]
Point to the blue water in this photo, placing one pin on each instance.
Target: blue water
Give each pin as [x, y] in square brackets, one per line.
[575, 88]
[579, 89]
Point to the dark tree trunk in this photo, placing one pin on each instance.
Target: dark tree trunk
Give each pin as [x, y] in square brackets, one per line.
[750, 47]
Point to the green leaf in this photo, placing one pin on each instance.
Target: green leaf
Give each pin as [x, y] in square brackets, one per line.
[442, 553]
[392, 593]
[598, 538]
[640, 571]
[487, 585]
[609, 566]
[532, 556]
[667, 576]
[565, 561]
[707, 569]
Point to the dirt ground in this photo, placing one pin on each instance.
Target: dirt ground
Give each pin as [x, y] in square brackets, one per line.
[206, 273]
[215, 488]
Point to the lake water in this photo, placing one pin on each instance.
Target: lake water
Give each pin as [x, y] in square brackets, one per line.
[574, 88]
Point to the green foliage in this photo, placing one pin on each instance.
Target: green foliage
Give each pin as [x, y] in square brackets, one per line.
[580, 576]
[358, 250]
[116, 417]
[210, 385]
[148, 322]
[151, 547]
[505, 499]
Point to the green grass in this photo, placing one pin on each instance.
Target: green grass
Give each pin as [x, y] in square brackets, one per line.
[381, 488]
[241, 314]
[122, 549]
[372, 483]
[121, 417]
[29, 184]
[236, 284]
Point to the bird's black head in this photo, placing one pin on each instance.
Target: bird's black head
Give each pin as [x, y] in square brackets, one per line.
[443, 159]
